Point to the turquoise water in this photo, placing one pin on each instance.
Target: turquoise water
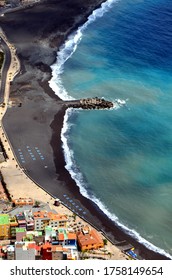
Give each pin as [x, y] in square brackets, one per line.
[124, 155]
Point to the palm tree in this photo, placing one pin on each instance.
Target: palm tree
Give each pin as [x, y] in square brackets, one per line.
[74, 217]
[105, 241]
[37, 203]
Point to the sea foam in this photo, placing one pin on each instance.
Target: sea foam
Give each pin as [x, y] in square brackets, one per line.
[69, 47]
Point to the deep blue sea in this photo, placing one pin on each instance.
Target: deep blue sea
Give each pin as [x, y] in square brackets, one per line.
[122, 158]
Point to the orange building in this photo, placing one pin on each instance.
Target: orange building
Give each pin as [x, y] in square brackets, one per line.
[23, 201]
[89, 239]
[44, 218]
[57, 220]
[57, 252]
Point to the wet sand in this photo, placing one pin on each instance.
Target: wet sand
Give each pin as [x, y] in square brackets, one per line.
[37, 33]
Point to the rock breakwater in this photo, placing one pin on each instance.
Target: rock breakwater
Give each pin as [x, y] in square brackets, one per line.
[90, 103]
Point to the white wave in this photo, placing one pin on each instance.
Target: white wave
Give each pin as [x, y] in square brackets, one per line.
[78, 177]
[69, 47]
[117, 103]
[69, 156]
[131, 232]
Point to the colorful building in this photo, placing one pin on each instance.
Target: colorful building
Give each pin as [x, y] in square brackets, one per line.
[89, 239]
[57, 252]
[21, 220]
[43, 219]
[57, 220]
[4, 226]
[46, 251]
[20, 234]
[25, 250]
[13, 226]
[66, 238]
[50, 234]
[23, 201]
[30, 225]
[10, 252]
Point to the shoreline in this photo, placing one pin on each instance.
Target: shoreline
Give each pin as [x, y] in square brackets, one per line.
[95, 215]
[111, 229]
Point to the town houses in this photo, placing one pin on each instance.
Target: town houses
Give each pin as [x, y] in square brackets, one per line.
[33, 233]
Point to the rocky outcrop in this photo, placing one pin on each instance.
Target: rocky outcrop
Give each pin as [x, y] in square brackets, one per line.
[90, 103]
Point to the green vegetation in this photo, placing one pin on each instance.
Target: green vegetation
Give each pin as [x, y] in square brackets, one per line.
[74, 217]
[105, 242]
[37, 203]
[1, 59]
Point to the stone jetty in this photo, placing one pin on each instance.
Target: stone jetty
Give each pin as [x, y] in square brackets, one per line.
[90, 103]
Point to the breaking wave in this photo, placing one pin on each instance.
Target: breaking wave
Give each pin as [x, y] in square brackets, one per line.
[69, 47]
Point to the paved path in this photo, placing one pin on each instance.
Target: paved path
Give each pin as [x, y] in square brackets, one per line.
[6, 65]
[10, 68]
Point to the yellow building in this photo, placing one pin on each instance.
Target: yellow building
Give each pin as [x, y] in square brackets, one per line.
[13, 226]
[4, 226]
[57, 220]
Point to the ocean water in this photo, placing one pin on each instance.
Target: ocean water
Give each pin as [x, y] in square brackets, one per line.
[122, 158]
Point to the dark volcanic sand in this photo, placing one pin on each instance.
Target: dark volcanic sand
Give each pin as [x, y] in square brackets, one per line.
[37, 33]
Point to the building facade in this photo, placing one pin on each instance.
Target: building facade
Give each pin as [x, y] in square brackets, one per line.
[4, 226]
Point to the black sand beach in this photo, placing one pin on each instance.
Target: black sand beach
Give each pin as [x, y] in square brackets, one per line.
[37, 33]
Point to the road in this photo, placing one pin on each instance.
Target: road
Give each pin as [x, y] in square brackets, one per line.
[5, 68]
